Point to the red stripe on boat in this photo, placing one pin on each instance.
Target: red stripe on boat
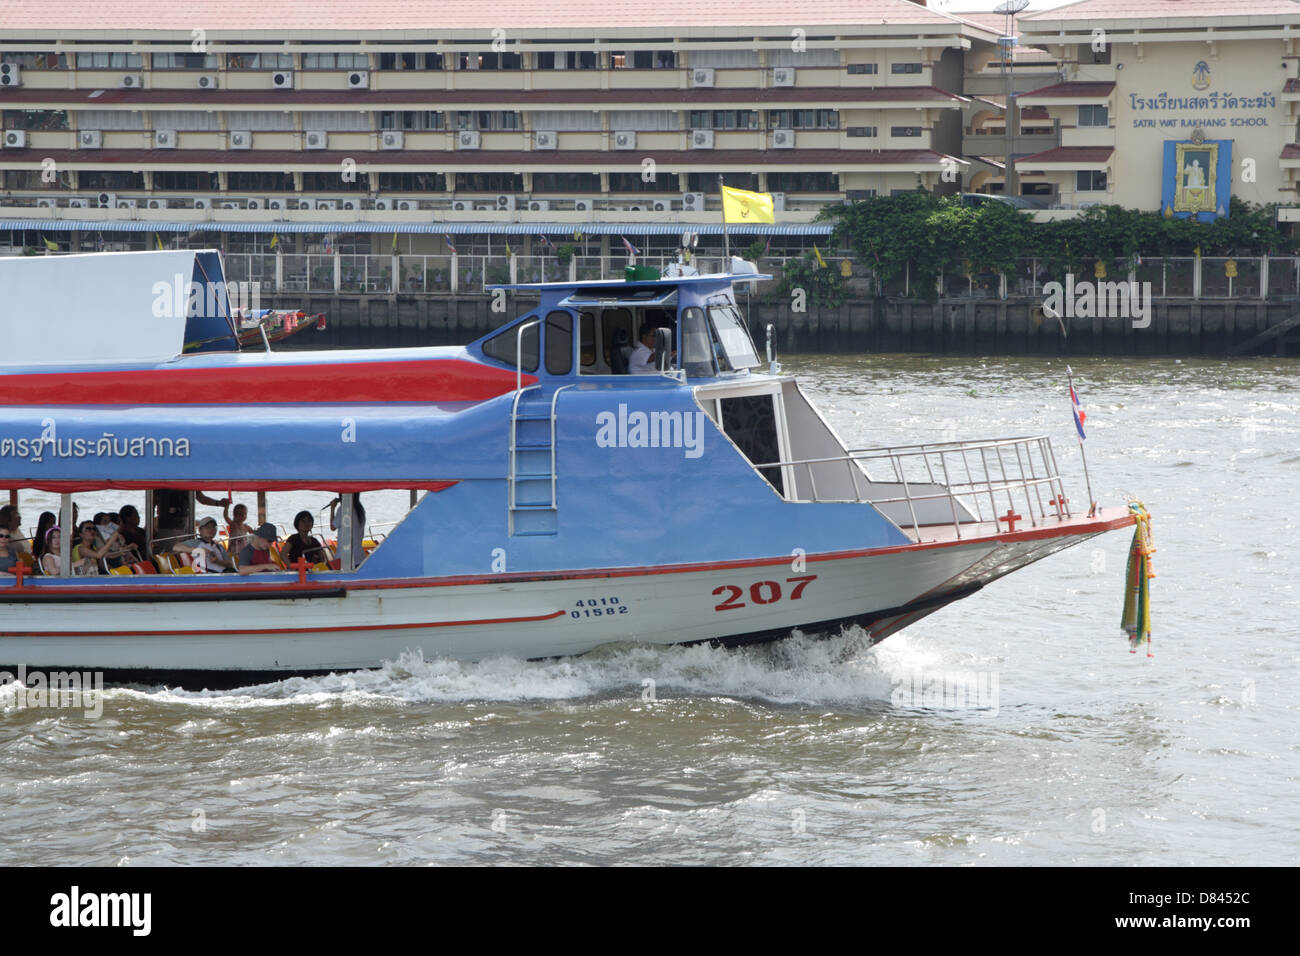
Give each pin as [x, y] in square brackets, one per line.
[418, 381]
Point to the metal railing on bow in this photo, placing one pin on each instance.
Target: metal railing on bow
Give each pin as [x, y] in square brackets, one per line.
[947, 483]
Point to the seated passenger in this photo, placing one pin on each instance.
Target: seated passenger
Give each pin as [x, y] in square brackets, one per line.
[11, 521]
[172, 507]
[302, 544]
[43, 525]
[237, 529]
[50, 555]
[88, 552]
[8, 557]
[204, 550]
[133, 536]
[641, 361]
[255, 557]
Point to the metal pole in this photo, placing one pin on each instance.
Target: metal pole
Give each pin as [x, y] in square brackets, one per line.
[66, 537]
[1092, 502]
[726, 240]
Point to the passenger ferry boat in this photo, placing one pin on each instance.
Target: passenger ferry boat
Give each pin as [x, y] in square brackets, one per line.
[561, 503]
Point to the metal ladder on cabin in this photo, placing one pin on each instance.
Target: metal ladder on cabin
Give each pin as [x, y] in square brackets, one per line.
[531, 480]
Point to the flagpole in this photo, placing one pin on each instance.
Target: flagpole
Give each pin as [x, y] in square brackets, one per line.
[1092, 502]
[726, 240]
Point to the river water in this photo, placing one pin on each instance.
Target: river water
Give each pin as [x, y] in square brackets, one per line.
[801, 751]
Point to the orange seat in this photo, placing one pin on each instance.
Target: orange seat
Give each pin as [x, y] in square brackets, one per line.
[145, 567]
[187, 569]
[124, 569]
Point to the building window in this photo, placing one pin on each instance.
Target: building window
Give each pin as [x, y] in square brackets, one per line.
[572, 60]
[862, 131]
[36, 119]
[240, 181]
[724, 119]
[410, 61]
[413, 182]
[335, 61]
[184, 61]
[897, 68]
[643, 60]
[490, 182]
[413, 120]
[109, 61]
[1094, 116]
[259, 61]
[803, 182]
[855, 195]
[708, 182]
[1088, 55]
[178, 181]
[904, 131]
[105, 179]
[36, 61]
[491, 60]
[633, 183]
[487, 120]
[803, 119]
[867, 69]
[1090, 181]
[566, 183]
[333, 183]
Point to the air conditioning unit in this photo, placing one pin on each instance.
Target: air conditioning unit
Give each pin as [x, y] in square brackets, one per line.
[282, 80]
[662, 205]
[164, 139]
[359, 80]
[277, 204]
[625, 140]
[125, 204]
[692, 202]
[327, 204]
[383, 204]
[392, 139]
[202, 202]
[544, 139]
[241, 139]
[106, 201]
[633, 209]
[702, 139]
[461, 205]
[483, 207]
[130, 81]
[582, 205]
[783, 76]
[90, 139]
[255, 204]
[783, 139]
[778, 202]
[315, 139]
[538, 205]
[228, 204]
[10, 74]
[47, 204]
[505, 202]
[157, 204]
[406, 205]
[350, 205]
[207, 81]
[468, 139]
[702, 77]
[76, 202]
[1088, 205]
[307, 203]
[15, 138]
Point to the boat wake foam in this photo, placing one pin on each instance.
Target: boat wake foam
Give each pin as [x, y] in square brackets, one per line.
[799, 670]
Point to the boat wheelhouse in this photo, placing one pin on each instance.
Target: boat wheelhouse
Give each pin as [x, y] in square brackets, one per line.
[558, 502]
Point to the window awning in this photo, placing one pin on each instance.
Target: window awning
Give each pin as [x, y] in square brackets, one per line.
[418, 228]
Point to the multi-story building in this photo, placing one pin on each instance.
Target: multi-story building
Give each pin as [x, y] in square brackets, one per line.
[295, 120]
[1169, 104]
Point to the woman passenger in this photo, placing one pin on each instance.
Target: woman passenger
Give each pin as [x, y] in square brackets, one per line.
[11, 520]
[43, 525]
[50, 554]
[88, 552]
[133, 536]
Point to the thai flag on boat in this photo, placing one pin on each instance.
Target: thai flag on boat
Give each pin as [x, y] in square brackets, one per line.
[1079, 415]
[631, 249]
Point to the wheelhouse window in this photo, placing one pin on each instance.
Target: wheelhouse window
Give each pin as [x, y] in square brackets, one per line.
[504, 346]
[736, 349]
[559, 343]
[697, 348]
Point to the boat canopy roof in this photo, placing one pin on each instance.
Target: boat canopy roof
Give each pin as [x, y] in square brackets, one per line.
[251, 447]
[110, 308]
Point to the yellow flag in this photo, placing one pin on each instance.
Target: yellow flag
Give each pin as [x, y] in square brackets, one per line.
[738, 205]
[817, 254]
[50, 244]
[158, 239]
[394, 240]
[275, 239]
